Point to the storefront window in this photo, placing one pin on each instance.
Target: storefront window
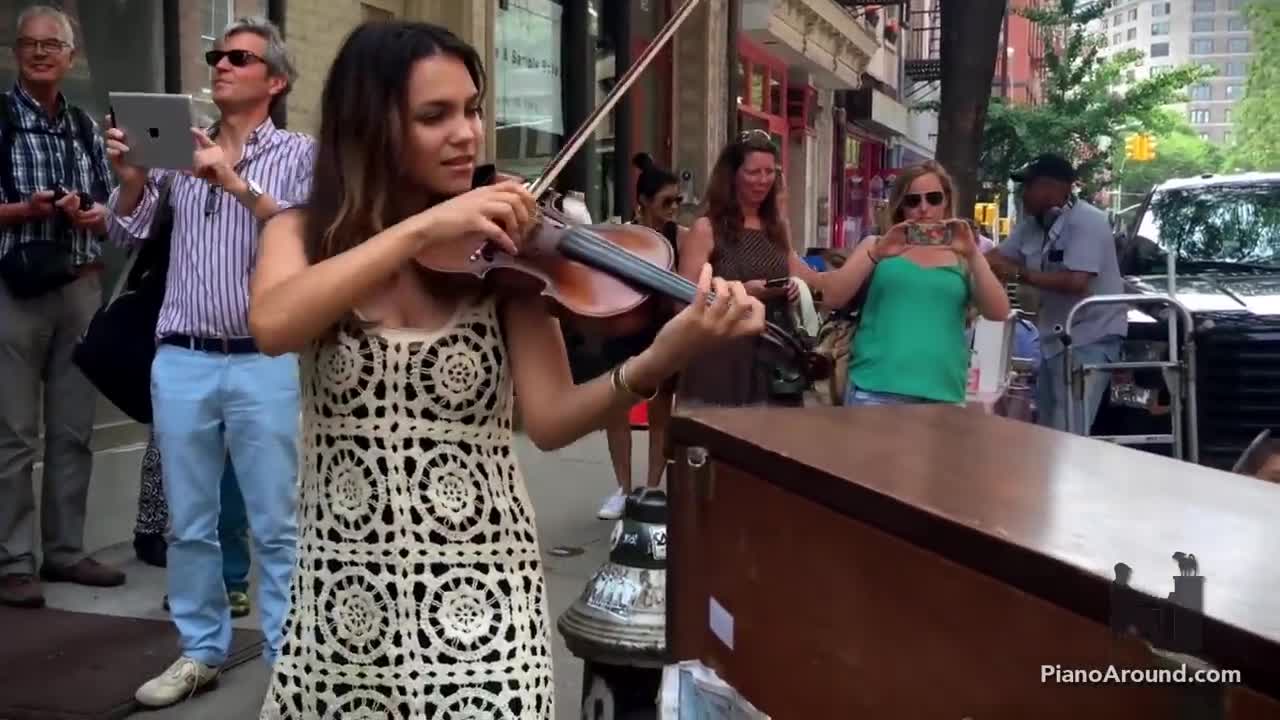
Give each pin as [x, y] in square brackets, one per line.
[557, 61]
[528, 84]
[103, 61]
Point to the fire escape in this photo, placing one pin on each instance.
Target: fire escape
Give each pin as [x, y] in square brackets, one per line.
[923, 64]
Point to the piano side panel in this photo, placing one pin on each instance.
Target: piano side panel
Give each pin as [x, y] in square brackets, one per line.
[833, 618]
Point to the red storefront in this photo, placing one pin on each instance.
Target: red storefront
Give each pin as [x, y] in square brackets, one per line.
[859, 183]
[762, 96]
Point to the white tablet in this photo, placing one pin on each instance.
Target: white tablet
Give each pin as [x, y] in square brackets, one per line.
[157, 128]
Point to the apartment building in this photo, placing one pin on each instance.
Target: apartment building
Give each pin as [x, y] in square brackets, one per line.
[1171, 33]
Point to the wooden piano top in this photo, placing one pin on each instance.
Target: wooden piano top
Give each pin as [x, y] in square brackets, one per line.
[1047, 512]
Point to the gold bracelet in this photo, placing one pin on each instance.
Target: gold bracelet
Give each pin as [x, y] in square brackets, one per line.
[619, 380]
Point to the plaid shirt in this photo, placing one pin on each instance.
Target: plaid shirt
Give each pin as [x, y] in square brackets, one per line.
[38, 158]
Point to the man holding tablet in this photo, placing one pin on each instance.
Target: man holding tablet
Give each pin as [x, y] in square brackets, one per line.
[213, 392]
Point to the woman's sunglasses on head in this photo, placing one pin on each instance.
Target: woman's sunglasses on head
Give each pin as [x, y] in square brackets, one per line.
[757, 136]
[238, 58]
[934, 198]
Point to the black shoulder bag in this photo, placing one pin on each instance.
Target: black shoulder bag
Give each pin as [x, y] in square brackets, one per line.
[117, 349]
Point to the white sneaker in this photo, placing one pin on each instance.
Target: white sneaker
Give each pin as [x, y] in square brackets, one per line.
[183, 678]
[613, 506]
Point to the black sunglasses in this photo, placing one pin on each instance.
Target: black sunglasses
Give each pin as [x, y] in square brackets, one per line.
[673, 201]
[238, 58]
[935, 198]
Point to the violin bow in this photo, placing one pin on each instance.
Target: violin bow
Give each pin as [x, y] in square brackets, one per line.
[584, 131]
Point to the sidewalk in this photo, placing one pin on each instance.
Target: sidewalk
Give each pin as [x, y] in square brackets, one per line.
[567, 488]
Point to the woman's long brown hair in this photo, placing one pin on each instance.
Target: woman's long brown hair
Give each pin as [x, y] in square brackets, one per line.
[358, 168]
[721, 206]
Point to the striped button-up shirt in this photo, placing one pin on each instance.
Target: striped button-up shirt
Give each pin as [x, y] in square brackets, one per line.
[39, 159]
[215, 237]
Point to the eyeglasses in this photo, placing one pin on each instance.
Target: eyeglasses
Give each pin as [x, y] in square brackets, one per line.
[52, 46]
[934, 198]
[238, 58]
[673, 201]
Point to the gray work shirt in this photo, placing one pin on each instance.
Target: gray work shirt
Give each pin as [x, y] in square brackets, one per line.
[1079, 240]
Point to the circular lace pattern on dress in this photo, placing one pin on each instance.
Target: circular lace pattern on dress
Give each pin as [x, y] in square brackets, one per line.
[455, 375]
[464, 614]
[353, 492]
[356, 615]
[452, 500]
[474, 704]
[347, 370]
[362, 705]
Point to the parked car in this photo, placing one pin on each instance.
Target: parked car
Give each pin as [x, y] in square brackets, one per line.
[1224, 233]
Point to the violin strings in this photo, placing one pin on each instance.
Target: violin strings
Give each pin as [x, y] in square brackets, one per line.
[656, 276]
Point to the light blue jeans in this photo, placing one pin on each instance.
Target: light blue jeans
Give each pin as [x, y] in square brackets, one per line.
[1052, 389]
[233, 533]
[206, 404]
[857, 396]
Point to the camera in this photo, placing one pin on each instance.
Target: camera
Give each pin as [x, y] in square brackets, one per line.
[59, 192]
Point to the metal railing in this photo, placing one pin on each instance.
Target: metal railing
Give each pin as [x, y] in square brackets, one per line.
[1179, 373]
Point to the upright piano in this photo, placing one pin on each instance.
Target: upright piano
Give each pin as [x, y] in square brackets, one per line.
[936, 562]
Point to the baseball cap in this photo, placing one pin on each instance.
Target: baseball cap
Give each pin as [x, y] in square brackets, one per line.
[1046, 166]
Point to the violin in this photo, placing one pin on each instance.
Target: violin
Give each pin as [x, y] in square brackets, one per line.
[596, 272]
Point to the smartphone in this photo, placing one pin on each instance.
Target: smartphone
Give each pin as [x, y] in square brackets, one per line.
[929, 234]
[777, 282]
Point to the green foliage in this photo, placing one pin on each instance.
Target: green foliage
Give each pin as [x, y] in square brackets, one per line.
[1079, 115]
[1180, 152]
[1257, 124]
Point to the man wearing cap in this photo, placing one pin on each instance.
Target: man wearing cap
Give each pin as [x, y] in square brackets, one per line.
[1064, 247]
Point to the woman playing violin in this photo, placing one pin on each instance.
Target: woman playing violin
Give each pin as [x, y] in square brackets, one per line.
[419, 590]
[745, 236]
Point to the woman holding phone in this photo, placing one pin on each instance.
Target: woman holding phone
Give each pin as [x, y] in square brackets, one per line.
[745, 236]
[917, 282]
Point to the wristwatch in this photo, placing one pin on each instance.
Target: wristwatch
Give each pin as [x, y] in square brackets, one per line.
[255, 190]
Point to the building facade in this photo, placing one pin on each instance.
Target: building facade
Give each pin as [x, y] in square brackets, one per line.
[1172, 33]
[880, 126]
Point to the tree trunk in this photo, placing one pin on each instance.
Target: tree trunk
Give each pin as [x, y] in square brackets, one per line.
[970, 39]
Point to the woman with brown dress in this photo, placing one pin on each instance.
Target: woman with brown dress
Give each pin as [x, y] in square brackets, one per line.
[745, 236]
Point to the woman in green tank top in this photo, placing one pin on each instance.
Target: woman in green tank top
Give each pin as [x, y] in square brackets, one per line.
[911, 345]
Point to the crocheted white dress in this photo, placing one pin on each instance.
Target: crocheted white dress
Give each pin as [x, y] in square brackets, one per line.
[419, 590]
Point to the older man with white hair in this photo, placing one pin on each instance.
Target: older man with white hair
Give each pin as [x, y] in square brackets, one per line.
[54, 179]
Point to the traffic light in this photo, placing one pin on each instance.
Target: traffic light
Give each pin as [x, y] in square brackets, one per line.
[1006, 224]
[985, 213]
[1140, 147]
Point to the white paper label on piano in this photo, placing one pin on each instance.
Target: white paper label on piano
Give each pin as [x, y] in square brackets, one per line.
[721, 623]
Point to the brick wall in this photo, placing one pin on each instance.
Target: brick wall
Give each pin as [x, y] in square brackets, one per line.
[315, 29]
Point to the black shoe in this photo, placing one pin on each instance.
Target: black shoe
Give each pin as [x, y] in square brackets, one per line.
[151, 549]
